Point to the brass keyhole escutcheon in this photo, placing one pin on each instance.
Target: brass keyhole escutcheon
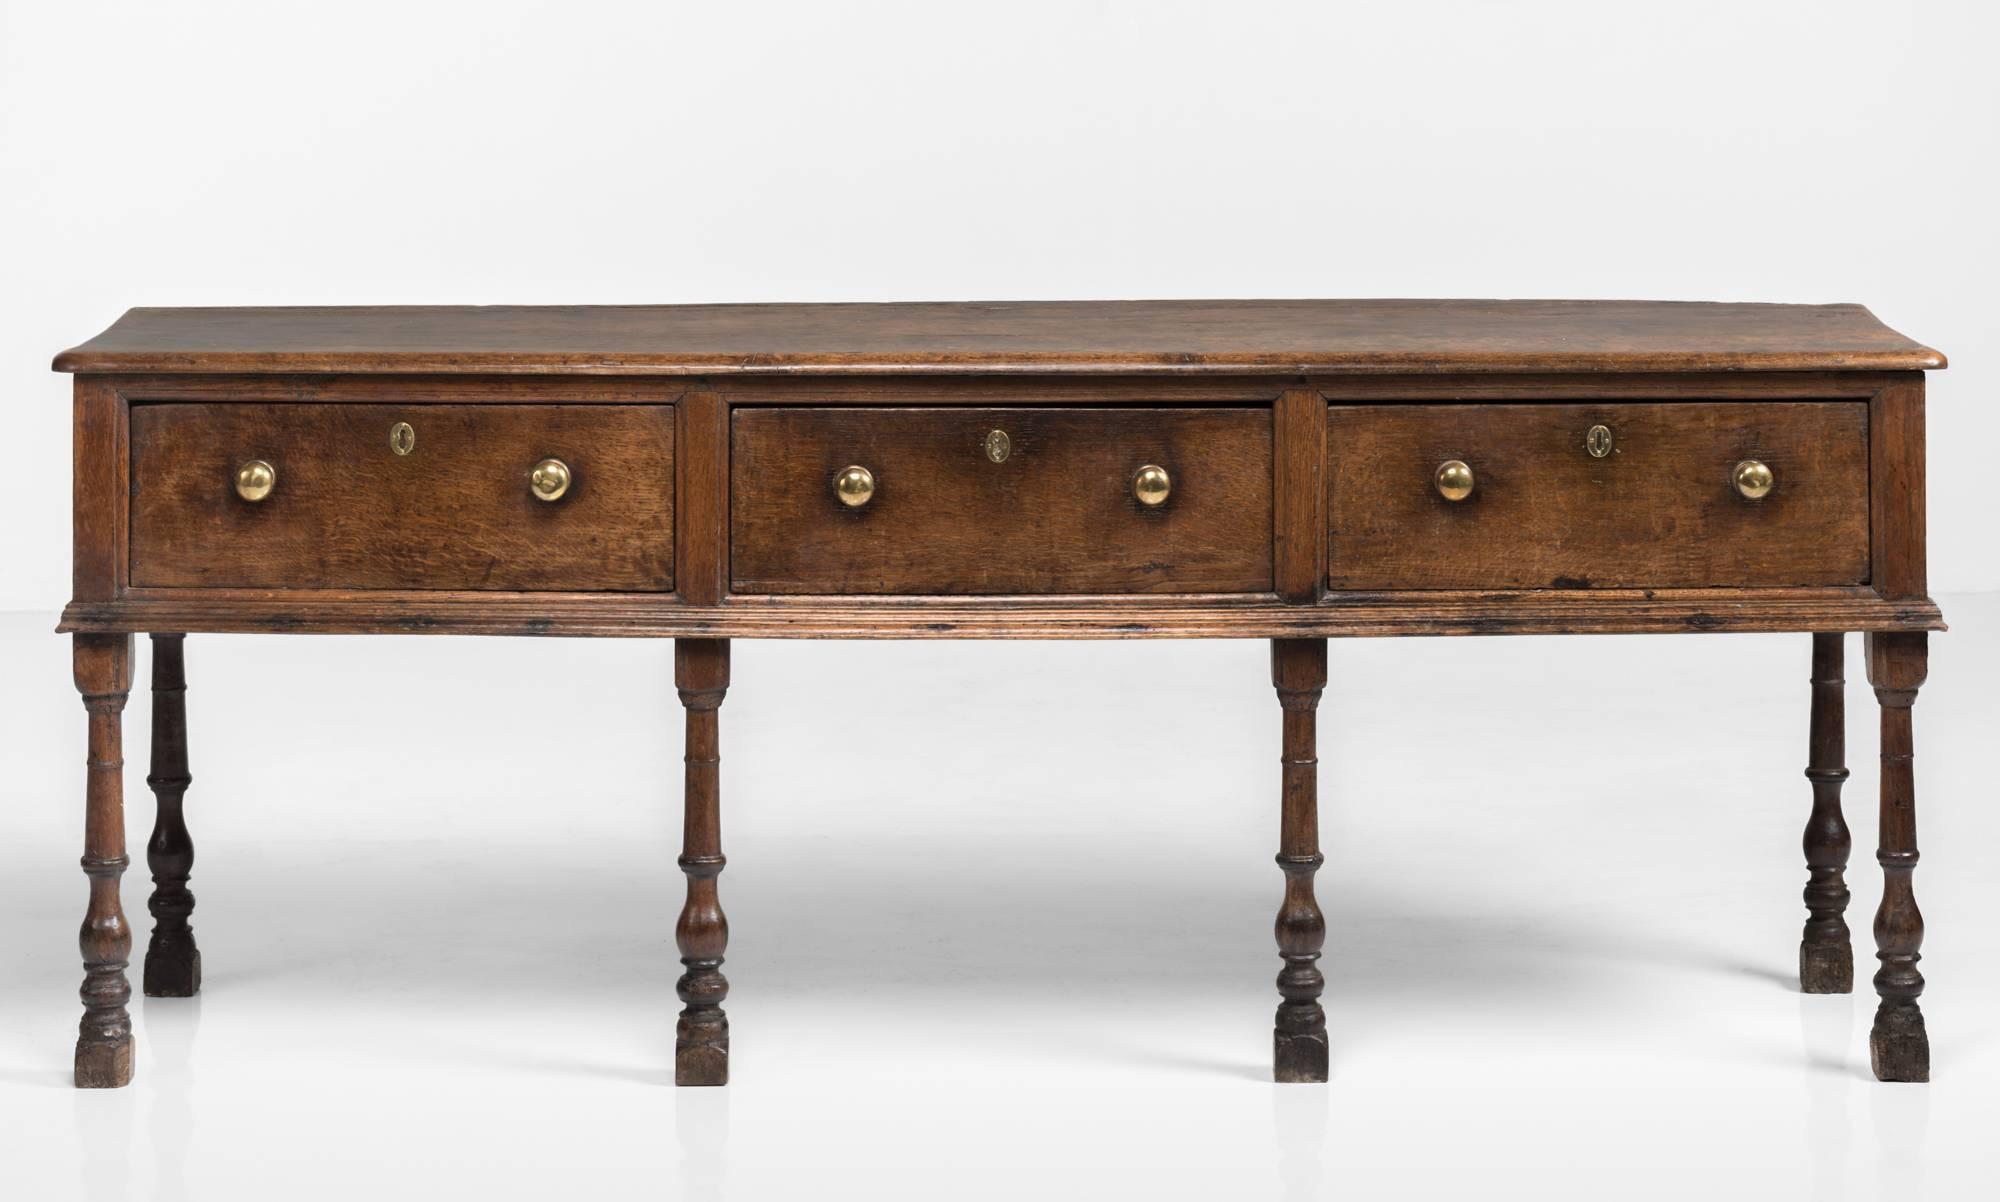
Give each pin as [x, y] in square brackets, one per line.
[402, 438]
[998, 446]
[1598, 441]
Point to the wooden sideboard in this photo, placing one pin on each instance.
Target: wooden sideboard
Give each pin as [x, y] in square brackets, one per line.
[1283, 470]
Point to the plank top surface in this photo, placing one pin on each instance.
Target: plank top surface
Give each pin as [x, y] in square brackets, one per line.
[1041, 337]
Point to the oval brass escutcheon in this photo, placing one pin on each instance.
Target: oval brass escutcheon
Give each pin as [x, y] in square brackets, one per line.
[1598, 441]
[998, 446]
[402, 438]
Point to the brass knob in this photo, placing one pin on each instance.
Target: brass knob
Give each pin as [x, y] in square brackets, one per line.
[255, 480]
[1753, 479]
[1454, 480]
[549, 480]
[855, 486]
[1151, 485]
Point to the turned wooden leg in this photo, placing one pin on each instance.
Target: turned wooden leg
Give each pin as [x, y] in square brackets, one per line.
[1898, 1046]
[173, 962]
[1826, 955]
[1298, 671]
[103, 664]
[701, 1039]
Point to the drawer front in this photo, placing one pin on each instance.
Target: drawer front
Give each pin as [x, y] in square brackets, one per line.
[457, 511]
[1047, 505]
[1659, 509]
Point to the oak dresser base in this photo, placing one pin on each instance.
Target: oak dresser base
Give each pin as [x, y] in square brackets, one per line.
[1290, 471]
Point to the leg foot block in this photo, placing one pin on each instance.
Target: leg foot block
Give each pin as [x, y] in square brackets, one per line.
[701, 1054]
[701, 1064]
[104, 1065]
[170, 974]
[1826, 969]
[1298, 1059]
[1898, 1047]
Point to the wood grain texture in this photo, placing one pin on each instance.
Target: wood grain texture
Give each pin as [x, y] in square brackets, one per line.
[1184, 336]
[703, 538]
[449, 389]
[99, 509]
[1299, 495]
[1659, 512]
[940, 389]
[1058, 515]
[1391, 389]
[1342, 615]
[1897, 499]
[455, 513]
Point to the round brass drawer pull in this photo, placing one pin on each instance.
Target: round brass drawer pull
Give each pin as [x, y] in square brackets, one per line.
[1754, 479]
[1454, 480]
[255, 480]
[1151, 486]
[855, 486]
[549, 480]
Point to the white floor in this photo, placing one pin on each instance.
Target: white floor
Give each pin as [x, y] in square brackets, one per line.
[1001, 926]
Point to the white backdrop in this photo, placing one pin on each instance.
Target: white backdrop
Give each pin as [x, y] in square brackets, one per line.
[1005, 923]
[407, 152]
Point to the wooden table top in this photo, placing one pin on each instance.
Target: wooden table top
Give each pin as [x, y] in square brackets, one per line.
[1214, 337]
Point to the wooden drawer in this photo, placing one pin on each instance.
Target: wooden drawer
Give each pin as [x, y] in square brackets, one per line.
[1659, 510]
[455, 512]
[1055, 514]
